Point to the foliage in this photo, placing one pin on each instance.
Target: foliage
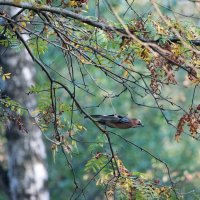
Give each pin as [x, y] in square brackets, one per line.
[192, 120]
[131, 65]
[10, 109]
[127, 185]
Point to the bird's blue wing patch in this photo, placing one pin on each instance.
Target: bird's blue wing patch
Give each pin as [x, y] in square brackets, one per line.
[124, 119]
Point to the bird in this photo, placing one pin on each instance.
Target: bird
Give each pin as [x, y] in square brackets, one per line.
[117, 121]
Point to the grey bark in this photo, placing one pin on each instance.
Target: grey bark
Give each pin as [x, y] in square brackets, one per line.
[26, 151]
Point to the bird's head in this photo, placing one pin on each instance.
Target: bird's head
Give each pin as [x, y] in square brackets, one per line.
[136, 123]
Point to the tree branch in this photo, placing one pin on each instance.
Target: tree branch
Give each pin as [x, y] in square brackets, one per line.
[67, 13]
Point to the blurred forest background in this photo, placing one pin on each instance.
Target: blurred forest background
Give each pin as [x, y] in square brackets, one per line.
[103, 97]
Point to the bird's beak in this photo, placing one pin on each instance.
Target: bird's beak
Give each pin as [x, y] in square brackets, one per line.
[142, 125]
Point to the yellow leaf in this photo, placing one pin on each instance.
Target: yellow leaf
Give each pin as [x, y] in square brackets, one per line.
[6, 76]
[16, 1]
[125, 74]
[72, 3]
[35, 112]
[73, 143]
[83, 60]
[177, 137]
[23, 24]
[195, 80]
[54, 149]
[80, 127]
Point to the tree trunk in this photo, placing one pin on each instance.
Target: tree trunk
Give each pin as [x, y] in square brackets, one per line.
[26, 151]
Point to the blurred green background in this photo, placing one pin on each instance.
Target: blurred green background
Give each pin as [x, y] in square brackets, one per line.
[156, 136]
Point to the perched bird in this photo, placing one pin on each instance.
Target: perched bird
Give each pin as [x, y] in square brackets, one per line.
[117, 121]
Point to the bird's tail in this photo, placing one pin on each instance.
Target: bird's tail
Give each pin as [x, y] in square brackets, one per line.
[94, 116]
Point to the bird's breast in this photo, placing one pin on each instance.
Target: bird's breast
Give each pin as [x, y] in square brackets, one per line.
[119, 125]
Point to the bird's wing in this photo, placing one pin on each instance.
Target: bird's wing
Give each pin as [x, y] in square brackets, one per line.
[105, 118]
[96, 116]
[111, 118]
[124, 119]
